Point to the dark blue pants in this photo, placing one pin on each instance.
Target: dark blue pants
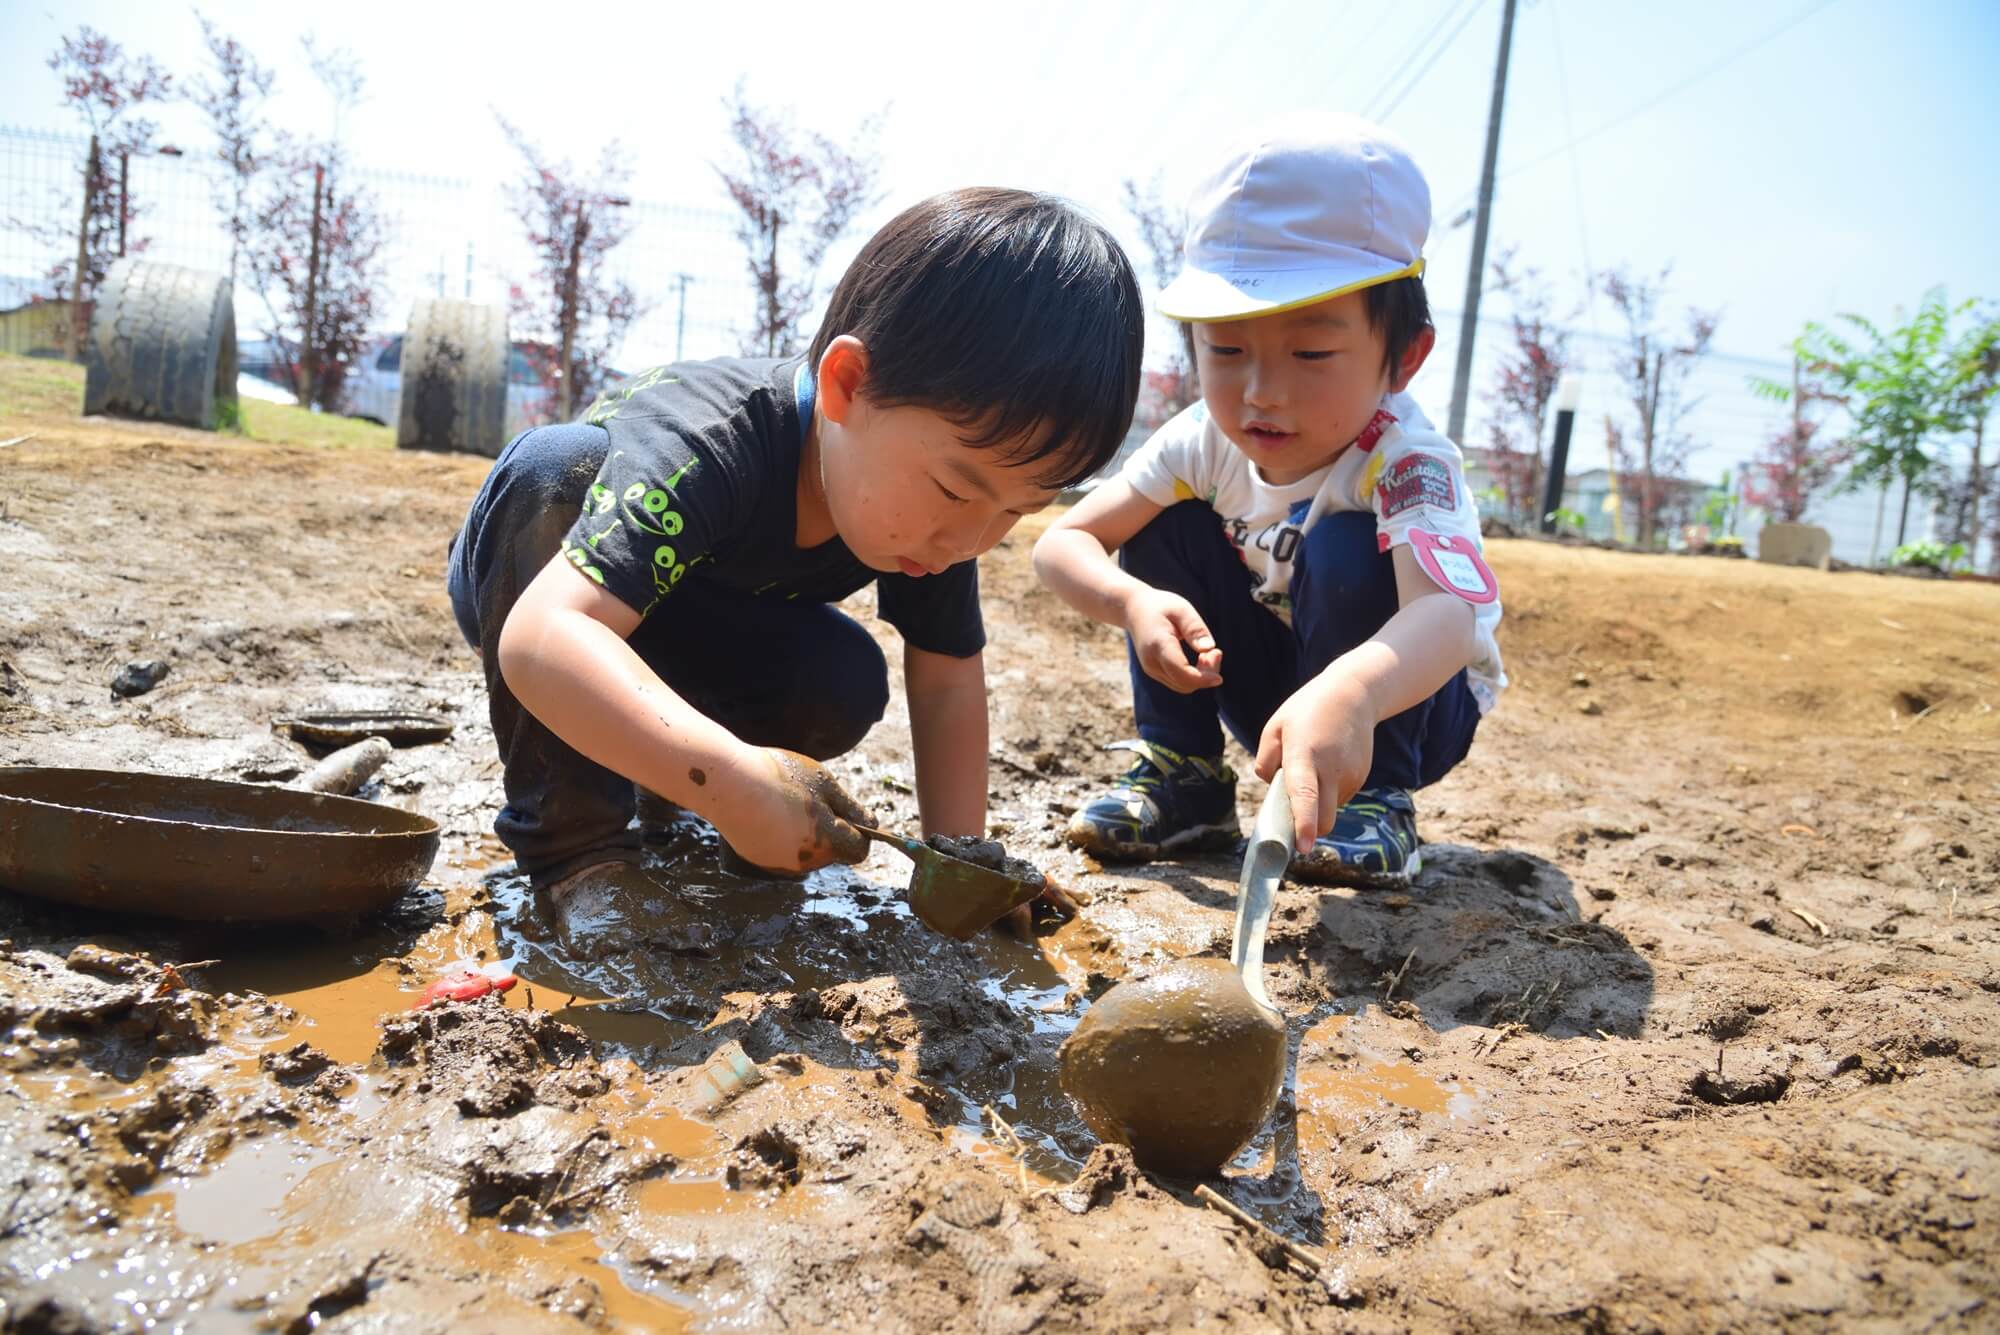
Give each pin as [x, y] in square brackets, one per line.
[796, 675]
[1343, 591]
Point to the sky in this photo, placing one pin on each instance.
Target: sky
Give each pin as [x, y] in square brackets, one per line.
[1789, 159]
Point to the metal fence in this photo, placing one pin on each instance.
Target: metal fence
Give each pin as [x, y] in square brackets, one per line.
[443, 237]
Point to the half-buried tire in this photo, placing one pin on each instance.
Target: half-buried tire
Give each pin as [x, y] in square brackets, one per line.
[163, 346]
[454, 378]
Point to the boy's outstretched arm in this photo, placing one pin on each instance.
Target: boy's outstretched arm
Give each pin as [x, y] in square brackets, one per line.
[1075, 559]
[563, 654]
[947, 699]
[1324, 735]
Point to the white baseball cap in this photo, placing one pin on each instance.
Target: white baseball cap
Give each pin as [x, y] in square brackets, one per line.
[1315, 205]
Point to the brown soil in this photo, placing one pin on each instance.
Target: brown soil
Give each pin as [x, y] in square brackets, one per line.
[1690, 1023]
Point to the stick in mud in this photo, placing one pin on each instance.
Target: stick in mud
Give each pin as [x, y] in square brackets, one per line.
[1305, 1256]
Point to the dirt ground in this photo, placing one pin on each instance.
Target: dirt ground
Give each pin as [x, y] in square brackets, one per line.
[1690, 1023]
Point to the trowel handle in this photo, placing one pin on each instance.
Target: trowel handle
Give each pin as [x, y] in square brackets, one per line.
[909, 848]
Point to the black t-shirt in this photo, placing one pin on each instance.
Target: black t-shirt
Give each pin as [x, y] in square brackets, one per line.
[699, 481]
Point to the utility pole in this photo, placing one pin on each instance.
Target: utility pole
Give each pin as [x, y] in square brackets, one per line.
[93, 168]
[309, 354]
[681, 320]
[568, 396]
[1461, 381]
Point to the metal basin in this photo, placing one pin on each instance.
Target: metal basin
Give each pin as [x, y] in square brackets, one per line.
[203, 849]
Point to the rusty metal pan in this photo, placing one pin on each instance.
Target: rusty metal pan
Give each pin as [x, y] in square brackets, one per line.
[203, 849]
[341, 728]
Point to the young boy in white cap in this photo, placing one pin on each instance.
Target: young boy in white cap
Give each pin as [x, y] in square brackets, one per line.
[1297, 555]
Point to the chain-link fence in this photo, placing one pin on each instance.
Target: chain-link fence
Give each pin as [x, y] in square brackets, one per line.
[443, 237]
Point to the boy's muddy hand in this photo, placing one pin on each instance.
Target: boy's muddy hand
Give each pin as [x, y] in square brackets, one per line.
[1324, 737]
[1053, 902]
[1166, 632]
[799, 816]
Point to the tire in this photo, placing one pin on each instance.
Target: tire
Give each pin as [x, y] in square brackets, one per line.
[453, 392]
[163, 346]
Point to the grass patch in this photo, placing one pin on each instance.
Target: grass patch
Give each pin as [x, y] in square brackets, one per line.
[45, 387]
[38, 386]
[282, 423]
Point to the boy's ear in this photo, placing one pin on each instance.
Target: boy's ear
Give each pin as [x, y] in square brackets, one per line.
[843, 370]
[1413, 359]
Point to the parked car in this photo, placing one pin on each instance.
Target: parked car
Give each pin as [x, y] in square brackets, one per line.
[375, 381]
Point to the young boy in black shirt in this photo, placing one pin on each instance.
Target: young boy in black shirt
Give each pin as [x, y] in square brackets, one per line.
[649, 586]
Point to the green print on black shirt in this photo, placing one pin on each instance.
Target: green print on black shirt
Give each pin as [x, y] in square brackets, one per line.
[700, 469]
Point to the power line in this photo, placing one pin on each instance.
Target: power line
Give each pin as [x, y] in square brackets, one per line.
[1655, 100]
[1410, 54]
[1418, 77]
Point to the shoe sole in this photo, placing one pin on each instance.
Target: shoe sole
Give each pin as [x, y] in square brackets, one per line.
[1196, 839]
[1355, 877]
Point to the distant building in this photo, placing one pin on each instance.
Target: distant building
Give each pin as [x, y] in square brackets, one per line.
[35, 329]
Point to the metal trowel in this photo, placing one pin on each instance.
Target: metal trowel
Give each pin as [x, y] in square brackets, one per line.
[1264, 863]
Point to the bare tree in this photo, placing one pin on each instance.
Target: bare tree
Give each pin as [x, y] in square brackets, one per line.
[103, 86]
[799, 192]
[1175, 386]
[313, 249]
[573, 311]
[1524, 384]
[232, 99]
[339, 72]
[1655, 369]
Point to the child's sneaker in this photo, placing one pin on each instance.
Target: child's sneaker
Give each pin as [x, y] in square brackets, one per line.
[1166, 803]
[1373, 843]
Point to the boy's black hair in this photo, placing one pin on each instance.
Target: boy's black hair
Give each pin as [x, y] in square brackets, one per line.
[1011, 314]
[1400, 309]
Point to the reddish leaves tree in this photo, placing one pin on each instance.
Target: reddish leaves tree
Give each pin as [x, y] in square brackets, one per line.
[1655, 370]
[335, 281]
[573, 221]
[799, 192]
[103, 86]
[1524, 385]
[231, 100]
[1171, 389]
[1794, 464]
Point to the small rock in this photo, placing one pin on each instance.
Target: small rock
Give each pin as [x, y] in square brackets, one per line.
[1590, 707]
[137, 678]
[1579, 679]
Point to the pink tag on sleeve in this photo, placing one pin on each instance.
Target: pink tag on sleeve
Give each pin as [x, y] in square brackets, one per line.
[1454, 565]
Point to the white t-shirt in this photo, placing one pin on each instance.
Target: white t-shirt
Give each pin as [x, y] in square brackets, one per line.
[1401, 469]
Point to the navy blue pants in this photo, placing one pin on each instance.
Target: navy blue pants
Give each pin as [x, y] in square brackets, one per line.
[792, 674]
[1343, 591]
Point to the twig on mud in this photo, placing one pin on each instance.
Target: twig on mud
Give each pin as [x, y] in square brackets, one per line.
[1795, 828]
[1577, 1066]
[17, 440]
[197, 964]
[1397, 977]
[1810, 921]
[1215, 1200]
[528, 994]
[580, 1003]
[1493, 1040]
[1951, 909]
[1011, 1142]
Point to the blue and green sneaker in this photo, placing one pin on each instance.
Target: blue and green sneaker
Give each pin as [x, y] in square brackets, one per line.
[1373, 843]
[1166, 803]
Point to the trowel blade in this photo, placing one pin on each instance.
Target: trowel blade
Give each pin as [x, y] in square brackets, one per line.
[1264, 863]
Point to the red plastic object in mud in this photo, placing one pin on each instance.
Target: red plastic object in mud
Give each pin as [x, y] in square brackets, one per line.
[464, 985]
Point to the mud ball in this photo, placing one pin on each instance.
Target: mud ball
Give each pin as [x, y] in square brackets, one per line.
[1182, 1065]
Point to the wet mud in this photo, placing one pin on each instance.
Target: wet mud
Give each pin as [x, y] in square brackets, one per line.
[1700, 1043]
[1182, 1066]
